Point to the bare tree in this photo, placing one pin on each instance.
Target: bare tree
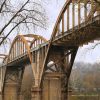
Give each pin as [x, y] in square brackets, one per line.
[21, 14]
[97, 1]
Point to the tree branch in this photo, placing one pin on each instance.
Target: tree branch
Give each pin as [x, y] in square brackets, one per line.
[11, 31]
[2, 5]
[13, 17]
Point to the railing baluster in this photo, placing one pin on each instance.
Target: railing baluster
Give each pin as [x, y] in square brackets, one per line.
[58, 29]
[92, 7]
[13, 53]
[63, 23]
[73, 14]
[79, 13]
[14, 50]
[10, 57]
[68, 18]
[19, 47]
[85, 10]
[23, 47]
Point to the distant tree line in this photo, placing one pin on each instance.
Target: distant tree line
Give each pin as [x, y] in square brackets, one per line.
[85, 77]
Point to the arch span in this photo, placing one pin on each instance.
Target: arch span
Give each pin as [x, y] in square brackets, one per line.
[22, 44]
[18, 47]
[36, 40]
[73, 15]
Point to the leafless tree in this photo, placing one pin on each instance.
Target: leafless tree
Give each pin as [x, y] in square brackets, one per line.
[98, 1]
[20, 14]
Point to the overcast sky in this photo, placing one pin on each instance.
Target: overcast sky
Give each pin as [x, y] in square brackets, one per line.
[53, 8]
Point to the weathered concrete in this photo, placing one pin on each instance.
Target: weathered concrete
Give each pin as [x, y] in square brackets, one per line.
[10, 92]
[36, 93]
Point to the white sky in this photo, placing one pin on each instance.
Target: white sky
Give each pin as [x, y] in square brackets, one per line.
[53, 8]
[86, 54]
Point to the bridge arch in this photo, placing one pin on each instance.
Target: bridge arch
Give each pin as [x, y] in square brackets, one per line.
[70, 20]
[68, 12]
[22, 44]
[18, 47]
[31, 41]
[37, 39]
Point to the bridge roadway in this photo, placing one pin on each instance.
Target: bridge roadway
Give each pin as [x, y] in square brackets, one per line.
[51, 61]
[70, 38]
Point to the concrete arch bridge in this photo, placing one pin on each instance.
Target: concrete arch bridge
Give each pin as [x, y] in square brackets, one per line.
[50, 61]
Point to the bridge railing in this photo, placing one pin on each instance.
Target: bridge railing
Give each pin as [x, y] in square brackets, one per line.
[74, 13]
[22, 45]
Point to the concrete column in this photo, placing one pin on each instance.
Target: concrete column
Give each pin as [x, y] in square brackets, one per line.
[10, 92]
[64, 91]
[36, 93]
[51, 89]
[20, 97]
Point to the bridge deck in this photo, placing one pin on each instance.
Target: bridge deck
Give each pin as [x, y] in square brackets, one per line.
[78, 36]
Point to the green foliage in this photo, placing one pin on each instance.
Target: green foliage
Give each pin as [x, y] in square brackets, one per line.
[84, 97]
[85, 77]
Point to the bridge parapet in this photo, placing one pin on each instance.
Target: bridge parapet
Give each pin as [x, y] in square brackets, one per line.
[73, 14]
[23, 44]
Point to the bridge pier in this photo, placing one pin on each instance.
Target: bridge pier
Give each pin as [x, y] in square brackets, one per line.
[36, 93]
[20, 97]
[52, 87]
[52, 60]
[10, 92]
[12, 85]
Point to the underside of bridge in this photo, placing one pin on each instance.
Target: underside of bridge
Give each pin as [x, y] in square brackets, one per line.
[20, 83]
[37, 69]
